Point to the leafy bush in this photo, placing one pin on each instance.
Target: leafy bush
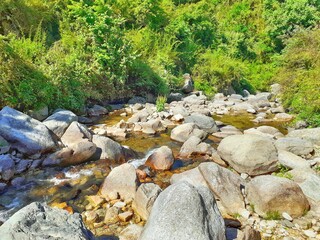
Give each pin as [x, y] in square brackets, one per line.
[216, 72]
[160, 103]
[299, 74]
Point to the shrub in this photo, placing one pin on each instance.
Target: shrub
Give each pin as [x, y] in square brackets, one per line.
[160, 103]
[299, 74]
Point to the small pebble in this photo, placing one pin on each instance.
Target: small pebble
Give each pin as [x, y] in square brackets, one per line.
[310, 233]
[287, 216]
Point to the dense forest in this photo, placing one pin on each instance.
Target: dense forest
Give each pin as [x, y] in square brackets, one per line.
[63, 53]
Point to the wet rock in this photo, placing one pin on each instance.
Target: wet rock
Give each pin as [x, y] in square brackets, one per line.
[161, 159]
[111, 215]
[251, 154]
[291, 160]
[75, 133]
[7, 167]
[76, 154]
[4, 146]
[25, 134]
[184, 131]
[182, 211]
[203, 122]
[38, 221]
[97, 110]
[144, 199]
[60, 121]
[108, 149]
[132, 232]
[121, 181]
[39, 114]
[225, 185]
[270, 194]
[310, 134]
[137, 99]
[296, 146]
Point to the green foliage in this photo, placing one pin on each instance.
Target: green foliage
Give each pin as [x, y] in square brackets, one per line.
[283, 172]
[61, 53]
[299, 74]
[216, 72]
[160, 103]
[272, 215]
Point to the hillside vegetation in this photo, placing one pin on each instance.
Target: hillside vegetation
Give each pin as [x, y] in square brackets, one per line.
[62, 53]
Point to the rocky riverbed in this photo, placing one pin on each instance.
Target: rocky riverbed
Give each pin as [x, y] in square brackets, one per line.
[226, 168]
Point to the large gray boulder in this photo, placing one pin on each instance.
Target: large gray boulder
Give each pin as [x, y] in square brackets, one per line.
[24, 133]
[270, 194]
[296, 146]
[182, 211]
[7, 167]
[310, 134]
[121, 182]
[60, 121]
[184, 131]
[249, 153]
[39, 221]
[225, 185]
[108, 149]
[203, 122]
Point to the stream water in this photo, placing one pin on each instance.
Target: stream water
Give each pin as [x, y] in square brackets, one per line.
[70, 186]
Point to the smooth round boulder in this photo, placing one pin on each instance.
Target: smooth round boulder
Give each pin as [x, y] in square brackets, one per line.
[121, 182]
[275, 195]
[182, 211]
[161, 159]
[249, 153]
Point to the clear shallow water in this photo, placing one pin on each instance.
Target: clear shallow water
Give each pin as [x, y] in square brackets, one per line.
[71, 185]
